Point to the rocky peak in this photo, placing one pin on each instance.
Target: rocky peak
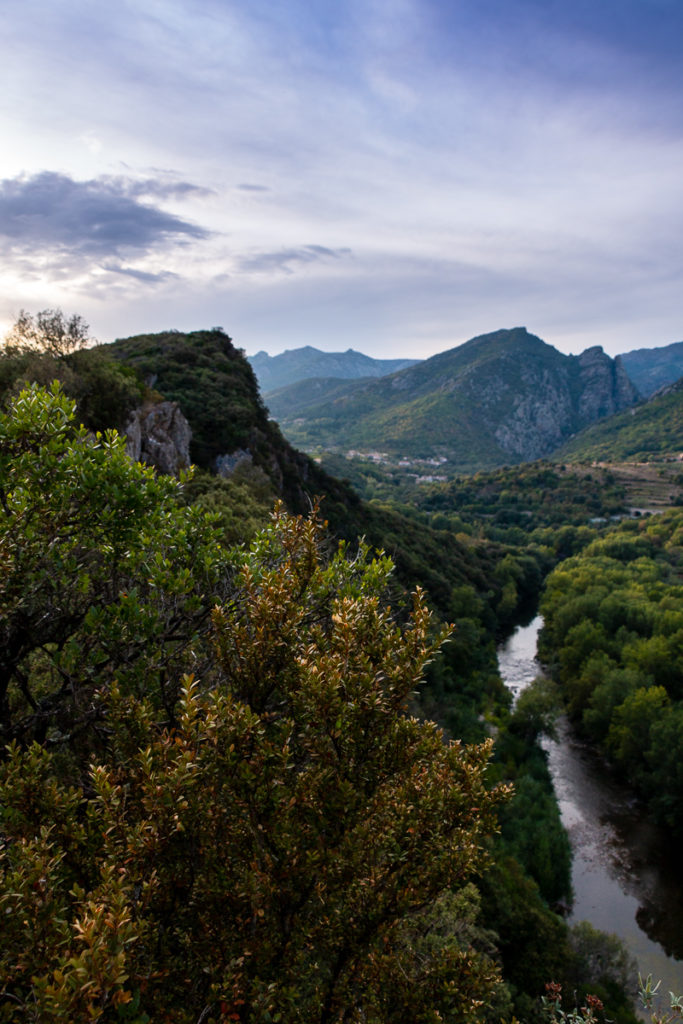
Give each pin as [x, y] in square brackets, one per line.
[605, 386]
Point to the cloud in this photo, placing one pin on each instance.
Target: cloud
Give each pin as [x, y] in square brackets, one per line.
[75, 223]
[248, 187]
[140, 275]
[284, 259]
[158, 189]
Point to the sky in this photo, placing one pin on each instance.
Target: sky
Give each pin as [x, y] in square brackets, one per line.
[393, 176]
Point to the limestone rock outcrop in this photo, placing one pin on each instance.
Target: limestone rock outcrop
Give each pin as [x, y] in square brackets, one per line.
[159, 436]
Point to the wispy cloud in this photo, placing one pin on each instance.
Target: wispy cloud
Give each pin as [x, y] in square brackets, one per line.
[286, 260]
[140, 275]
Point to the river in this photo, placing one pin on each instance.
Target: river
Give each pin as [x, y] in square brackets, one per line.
[626, 873]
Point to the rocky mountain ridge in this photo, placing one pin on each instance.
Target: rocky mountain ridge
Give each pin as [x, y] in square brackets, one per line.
[502, 397]
[649, 432]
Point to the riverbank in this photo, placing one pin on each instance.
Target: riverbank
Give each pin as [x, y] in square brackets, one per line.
[626, 877]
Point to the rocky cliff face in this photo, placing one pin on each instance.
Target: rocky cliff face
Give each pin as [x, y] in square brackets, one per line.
[626, 391]
[540, 418]
[159, 435]
[556, 401]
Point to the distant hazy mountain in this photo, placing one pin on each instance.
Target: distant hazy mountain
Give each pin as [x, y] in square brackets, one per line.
[301, 363]
[499, 398]
[653, 368]
[652, 429]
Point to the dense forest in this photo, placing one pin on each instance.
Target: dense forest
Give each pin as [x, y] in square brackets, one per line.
[613, 639]
[221, 795]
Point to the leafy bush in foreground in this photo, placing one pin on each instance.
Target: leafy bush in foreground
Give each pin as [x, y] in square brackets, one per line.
[280, 840]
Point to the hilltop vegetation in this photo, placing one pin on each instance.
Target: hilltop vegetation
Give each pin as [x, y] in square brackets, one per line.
[105, 391]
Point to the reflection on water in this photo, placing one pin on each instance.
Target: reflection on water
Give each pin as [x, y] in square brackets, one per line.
[626, 875]
[517, 657]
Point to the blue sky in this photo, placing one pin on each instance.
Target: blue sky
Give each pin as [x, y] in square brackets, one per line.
[394, 176]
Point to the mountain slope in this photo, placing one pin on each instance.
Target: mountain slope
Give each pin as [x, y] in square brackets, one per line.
[501, 397]
[652, 368]
[311, 393]
[297, 364]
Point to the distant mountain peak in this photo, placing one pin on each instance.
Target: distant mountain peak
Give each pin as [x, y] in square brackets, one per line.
[293, 365]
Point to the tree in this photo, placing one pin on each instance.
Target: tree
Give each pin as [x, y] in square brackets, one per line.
[102, 573]
[287, 849]
[48, 331]
[629, 734]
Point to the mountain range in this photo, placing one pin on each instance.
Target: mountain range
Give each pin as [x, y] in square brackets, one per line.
[500, 398]
[653, 368]
[273, 372]
[649, 368]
